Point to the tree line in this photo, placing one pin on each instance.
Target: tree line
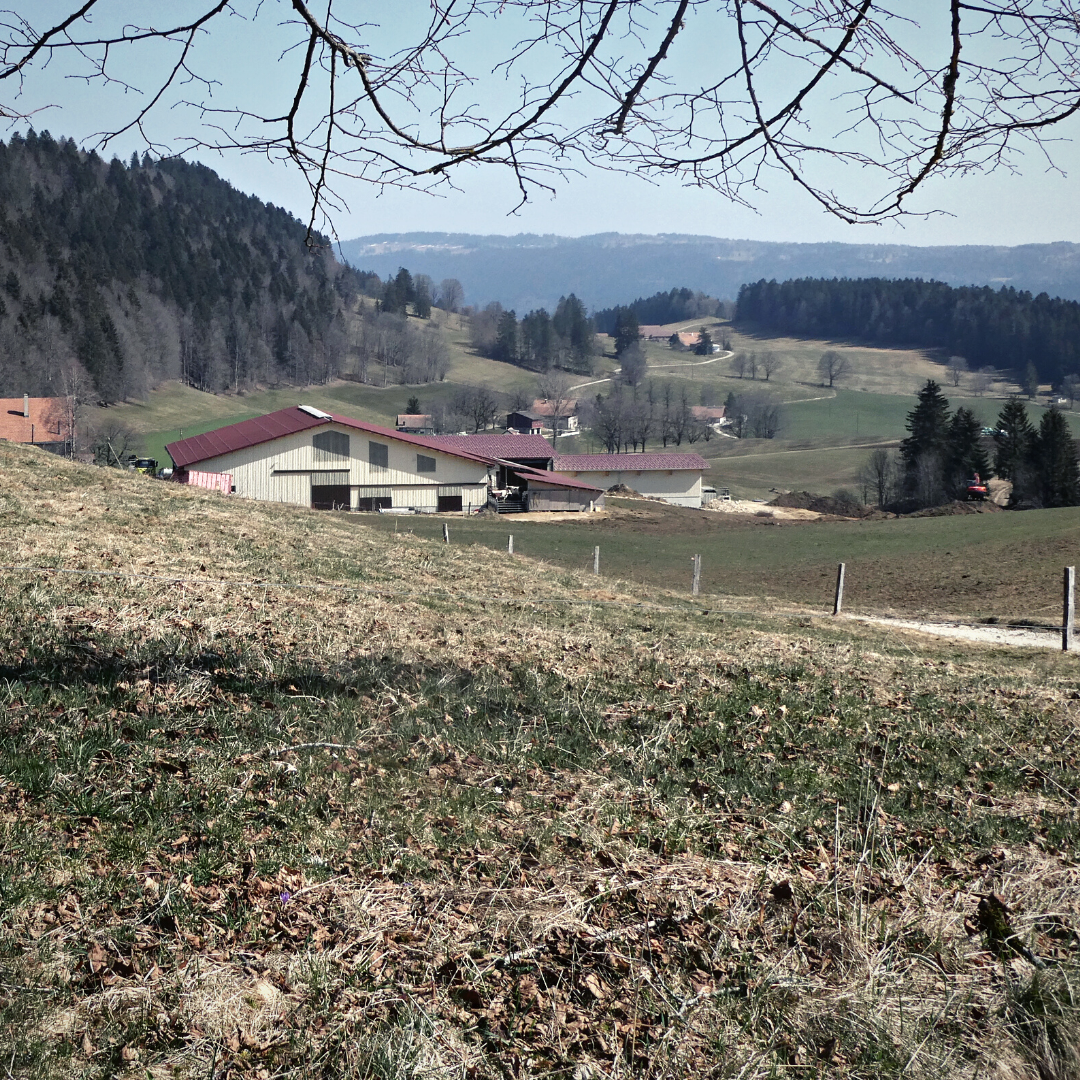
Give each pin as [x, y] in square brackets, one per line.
[676, 305]
[539, 340]
[1006, 329]
[944, 451]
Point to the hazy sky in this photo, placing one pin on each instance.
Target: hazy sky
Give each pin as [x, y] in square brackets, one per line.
[1035, 205]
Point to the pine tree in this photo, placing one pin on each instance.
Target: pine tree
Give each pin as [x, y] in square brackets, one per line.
[1014, 456]
[506, 341]
[627, 331]
[1056, 462]
[965, 456]
[924, 451]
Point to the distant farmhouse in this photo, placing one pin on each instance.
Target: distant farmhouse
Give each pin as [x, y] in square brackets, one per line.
[307, 457]
[415, 423]
[42, 421]
[525, 422]
[568, 413]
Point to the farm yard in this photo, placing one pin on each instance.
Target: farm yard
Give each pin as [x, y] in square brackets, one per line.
[287, 794]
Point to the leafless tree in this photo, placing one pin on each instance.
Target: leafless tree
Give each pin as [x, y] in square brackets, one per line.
[957, 368]
[878, 476]
[982, 380]
[739, 364]
[555, 388]
[450, 295]
[479, 404]
[618, 83]
[752, 364]
[1070, 387]
[770, 364]
[832, 367]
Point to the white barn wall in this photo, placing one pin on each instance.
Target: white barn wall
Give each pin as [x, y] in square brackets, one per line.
[682, 487]
[282, 469]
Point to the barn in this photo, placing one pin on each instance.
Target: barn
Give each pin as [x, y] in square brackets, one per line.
[308, 457]
[675, 478]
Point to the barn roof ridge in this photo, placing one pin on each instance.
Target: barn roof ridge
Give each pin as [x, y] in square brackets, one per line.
[290, 421]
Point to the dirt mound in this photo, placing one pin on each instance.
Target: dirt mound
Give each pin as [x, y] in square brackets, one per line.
[624, 491]
[956, 508]
[821, 504]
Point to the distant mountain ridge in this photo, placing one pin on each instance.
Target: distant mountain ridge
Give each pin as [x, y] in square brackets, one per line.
[527, 271]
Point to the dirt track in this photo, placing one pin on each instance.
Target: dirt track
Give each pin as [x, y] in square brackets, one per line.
[1026, 637]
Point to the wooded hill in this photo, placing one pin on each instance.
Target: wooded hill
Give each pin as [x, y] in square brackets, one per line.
[1005, 329]
[126, 275]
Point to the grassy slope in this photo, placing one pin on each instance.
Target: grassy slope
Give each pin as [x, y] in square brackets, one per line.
[579, 839]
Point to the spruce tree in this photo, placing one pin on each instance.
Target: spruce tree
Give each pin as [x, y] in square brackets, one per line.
[924, 451]
[1014, 456]
[506, 340]
[1056, 462]
[627, 331]
[965, 457]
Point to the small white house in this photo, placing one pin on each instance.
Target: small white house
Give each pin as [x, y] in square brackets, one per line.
[675, 478]
[307, 457]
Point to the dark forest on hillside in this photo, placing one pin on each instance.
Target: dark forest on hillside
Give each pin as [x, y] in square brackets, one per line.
[675, 305]
[122, 275]
[1001, 328]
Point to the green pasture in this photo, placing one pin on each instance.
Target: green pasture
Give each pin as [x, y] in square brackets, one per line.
[1004, 565]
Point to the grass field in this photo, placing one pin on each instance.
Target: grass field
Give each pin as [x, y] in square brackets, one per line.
[424, 811]
[991, 565]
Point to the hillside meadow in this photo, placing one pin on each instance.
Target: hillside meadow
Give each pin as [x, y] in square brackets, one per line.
[284, 794]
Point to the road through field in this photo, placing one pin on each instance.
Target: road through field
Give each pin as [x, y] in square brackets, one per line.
[1027, 637]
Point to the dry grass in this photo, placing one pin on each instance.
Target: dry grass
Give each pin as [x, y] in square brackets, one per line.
[378, 829]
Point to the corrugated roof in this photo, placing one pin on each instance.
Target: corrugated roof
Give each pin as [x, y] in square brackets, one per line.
[654, 462]
[554, 479]
[506, 447]
[47, 421]
[227, 440]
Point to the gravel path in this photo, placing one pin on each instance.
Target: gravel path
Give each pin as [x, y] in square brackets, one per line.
[991, 635]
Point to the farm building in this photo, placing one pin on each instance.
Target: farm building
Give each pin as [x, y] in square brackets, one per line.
[524, 422]
[415, 423]
[43, 421]
[531, 450]
[567, 410]
[307, 457]
[675, 478]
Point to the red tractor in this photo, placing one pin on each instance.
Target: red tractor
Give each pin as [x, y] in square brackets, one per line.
[975, 490]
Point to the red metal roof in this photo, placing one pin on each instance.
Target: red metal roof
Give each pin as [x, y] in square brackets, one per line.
[554, 479]
[227, 440]
[655, 462]
[506, 447]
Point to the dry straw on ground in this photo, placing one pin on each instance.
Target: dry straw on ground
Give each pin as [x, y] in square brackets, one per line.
[372, 827]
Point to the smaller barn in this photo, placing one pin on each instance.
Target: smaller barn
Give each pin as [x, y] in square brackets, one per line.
[675, 478]
[525, 422]
[567, 413]
[551, 491]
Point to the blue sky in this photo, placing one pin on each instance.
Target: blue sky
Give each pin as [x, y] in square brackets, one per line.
[1032, 205]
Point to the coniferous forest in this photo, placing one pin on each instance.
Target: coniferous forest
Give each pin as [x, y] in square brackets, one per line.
[128, 274]
[1002, 328]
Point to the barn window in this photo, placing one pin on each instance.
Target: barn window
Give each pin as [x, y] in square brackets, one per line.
[424, 463]
[330, 445]
[378, 455]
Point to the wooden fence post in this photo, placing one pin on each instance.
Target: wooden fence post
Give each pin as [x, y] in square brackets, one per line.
[510, 544]
[838, 603]
[596, 559]
[445, 533]
[1069, 605]
[697, 575]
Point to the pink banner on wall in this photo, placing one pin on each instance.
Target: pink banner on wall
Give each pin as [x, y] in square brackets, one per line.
[212, 481]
